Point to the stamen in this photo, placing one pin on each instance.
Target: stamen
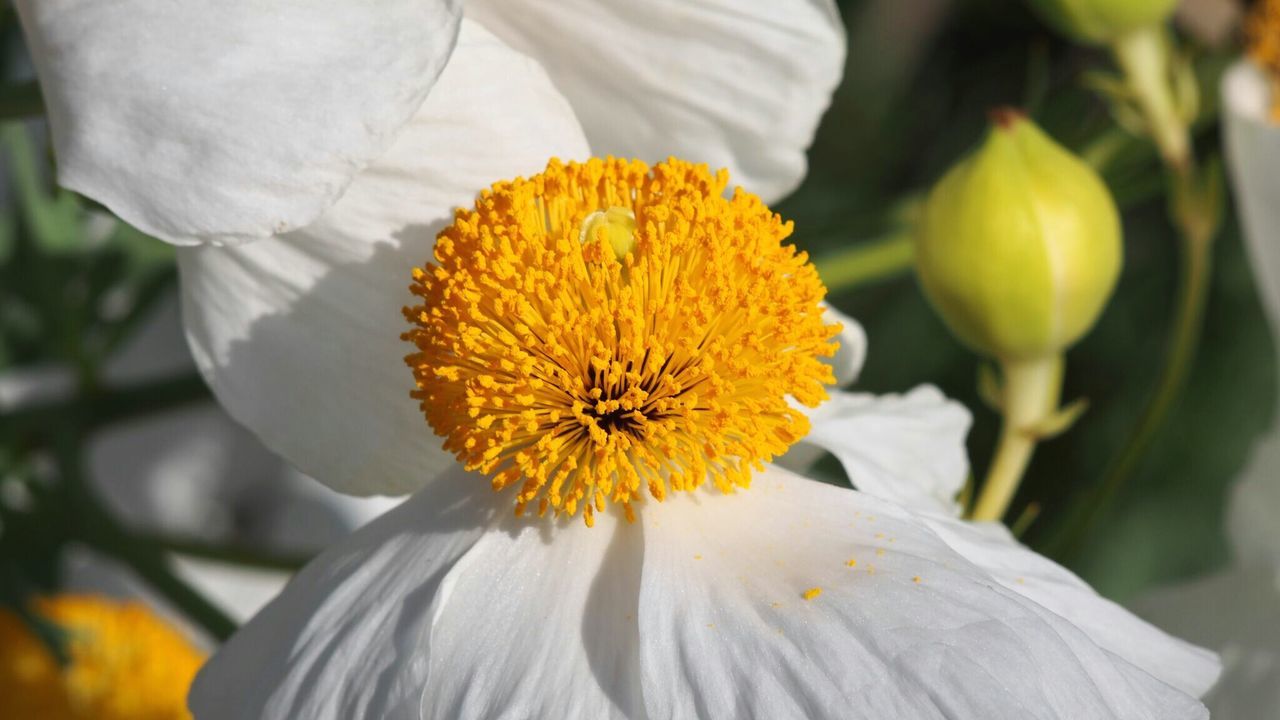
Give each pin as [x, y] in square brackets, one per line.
[605, 329]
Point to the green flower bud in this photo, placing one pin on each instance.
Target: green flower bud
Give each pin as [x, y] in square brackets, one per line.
[1101, 21]
[1019, 245]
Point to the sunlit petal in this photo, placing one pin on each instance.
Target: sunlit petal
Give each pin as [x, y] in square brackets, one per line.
[732, 83]
[234, 120]
[299, 335]
[904, 627]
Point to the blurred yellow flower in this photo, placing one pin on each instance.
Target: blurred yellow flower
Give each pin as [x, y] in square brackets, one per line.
[123, 663]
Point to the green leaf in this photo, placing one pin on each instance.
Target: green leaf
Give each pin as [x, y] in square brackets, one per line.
[54, 215]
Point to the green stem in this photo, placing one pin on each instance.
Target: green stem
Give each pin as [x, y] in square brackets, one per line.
[131, 401]
[112, 404]
[95, 526]
[101, 531]
[16, 594]
[1105, 148]
[867, 262]
[230, 554]
[1188, 323]
[1029, 396]
[1143, 57]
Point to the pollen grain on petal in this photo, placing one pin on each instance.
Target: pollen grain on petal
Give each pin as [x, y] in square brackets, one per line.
[811, 593]
[608, 331]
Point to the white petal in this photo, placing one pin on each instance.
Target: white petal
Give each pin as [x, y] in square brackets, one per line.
[724, 631]
[348, 636]
[299, 335]
[447, 607]
[733, 83]
[227, 121]
[905, 448]
[849, 359]
[1253, 154]
[991, 547]
[540, 621]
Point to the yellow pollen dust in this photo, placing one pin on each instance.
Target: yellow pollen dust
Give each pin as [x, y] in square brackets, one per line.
[607, 329]
[123, 663]
[1262, 35]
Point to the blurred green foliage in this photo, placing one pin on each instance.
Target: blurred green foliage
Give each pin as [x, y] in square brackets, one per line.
[915, 101]
[73, 280]
[74, 283]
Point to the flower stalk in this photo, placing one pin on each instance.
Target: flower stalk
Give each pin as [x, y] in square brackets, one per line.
[1195, 210]
[104, 534]
[95, 526]
[1144, 59]
[1029, 405]
[1196, 235]
[867, 262]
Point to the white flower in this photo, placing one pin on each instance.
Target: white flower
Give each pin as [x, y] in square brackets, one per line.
[237, 121]
[788, 599]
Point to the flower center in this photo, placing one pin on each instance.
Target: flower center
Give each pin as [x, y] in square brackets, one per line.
[606, 328]
[1262, 34]
[122, 662]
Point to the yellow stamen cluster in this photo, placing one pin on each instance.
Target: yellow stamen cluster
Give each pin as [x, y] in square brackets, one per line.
[606, 327]
[123, 663]
[1262, 34]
